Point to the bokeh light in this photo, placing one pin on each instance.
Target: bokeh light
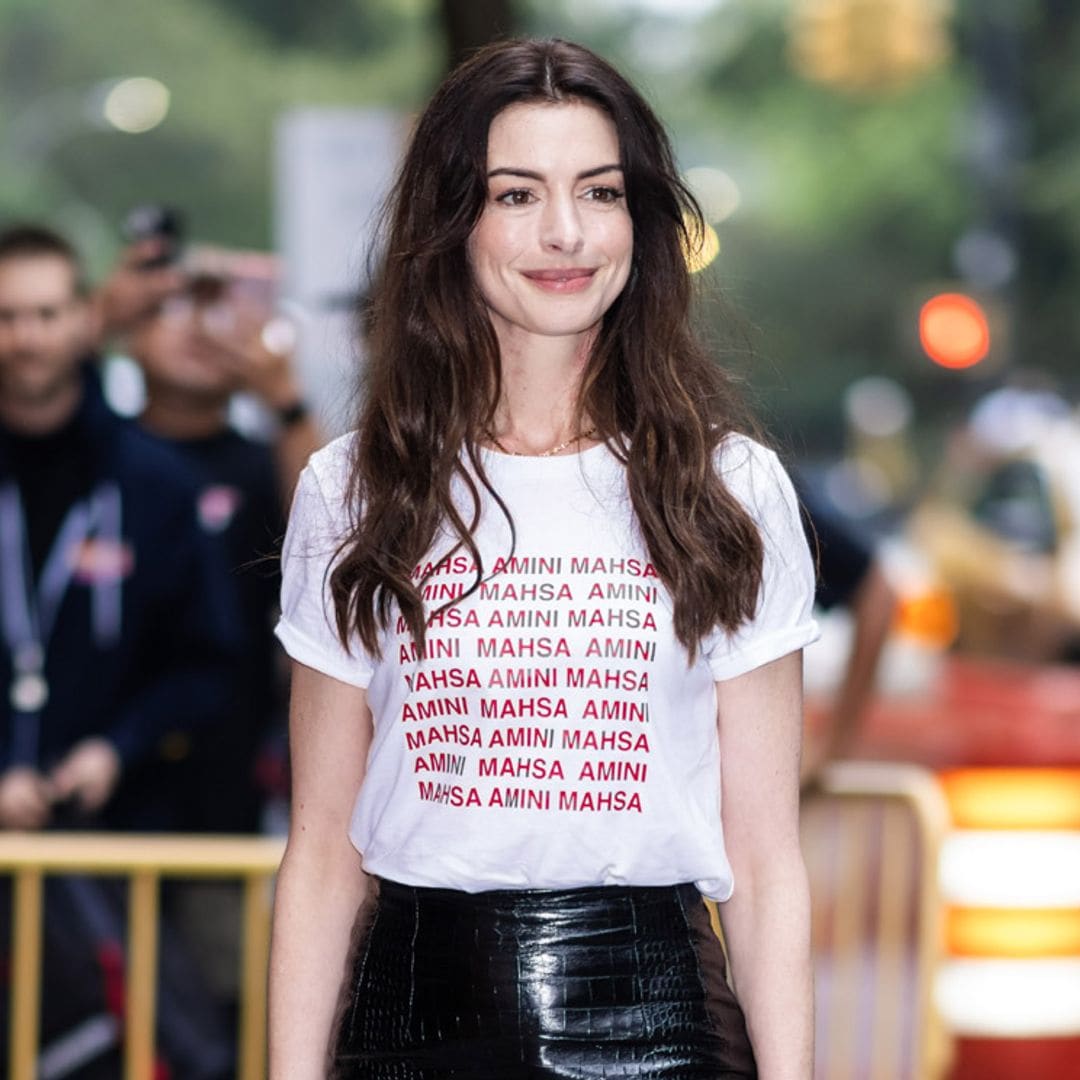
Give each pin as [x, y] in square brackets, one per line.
[716, 193]
[928, 616]
[1024, 932]
[136, 105]
[878, 406]
[1014, 798]
[701, 246]
[954, 330]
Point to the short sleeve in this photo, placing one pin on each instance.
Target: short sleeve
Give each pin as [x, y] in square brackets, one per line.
[784, 619]
[307, 627]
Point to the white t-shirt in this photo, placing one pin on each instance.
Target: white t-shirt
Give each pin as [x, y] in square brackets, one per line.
[555, 736]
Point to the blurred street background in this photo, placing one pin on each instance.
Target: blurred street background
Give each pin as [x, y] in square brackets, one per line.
[893, 271]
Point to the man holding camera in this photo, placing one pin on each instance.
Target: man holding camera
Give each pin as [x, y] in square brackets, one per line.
[210, 339]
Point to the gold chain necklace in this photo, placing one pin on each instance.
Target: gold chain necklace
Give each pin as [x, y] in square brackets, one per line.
[543, 453]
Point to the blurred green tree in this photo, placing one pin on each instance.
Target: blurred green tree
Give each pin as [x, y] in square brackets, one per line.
[229, 80]
[851, 204]
[355, 27]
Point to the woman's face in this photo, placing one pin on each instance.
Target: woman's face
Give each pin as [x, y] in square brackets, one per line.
[552, 248]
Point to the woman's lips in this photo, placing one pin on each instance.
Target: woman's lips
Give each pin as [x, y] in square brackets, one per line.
[573, 279]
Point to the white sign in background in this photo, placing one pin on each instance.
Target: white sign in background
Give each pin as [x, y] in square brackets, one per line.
[333, 167]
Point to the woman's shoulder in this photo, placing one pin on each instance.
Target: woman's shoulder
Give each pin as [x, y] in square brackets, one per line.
[753, 473]
[745, 464]
[329, 468]
[321, 503]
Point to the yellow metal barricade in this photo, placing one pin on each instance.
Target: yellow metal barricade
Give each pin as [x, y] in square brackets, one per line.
[144, 860]
[871, 837]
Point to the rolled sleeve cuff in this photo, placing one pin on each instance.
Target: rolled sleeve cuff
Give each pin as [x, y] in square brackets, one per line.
[304, 650]
[763, 650]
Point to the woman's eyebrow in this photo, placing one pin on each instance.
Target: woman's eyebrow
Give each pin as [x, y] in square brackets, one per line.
[530, 174]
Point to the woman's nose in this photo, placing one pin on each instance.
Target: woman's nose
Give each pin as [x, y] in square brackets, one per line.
[561, 225]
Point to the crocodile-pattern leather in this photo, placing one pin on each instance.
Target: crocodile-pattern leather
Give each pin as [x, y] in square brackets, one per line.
[613, 982]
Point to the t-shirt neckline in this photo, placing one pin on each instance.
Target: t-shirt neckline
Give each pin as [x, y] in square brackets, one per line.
[552, 465]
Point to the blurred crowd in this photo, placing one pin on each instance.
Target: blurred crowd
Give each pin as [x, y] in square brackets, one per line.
[138, 588]
[139, 579]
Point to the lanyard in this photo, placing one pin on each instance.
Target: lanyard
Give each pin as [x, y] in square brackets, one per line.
[28, 612]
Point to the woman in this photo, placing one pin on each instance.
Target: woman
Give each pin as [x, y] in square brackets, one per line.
[540, 604]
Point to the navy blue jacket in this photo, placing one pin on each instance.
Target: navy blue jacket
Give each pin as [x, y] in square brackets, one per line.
[169, 671]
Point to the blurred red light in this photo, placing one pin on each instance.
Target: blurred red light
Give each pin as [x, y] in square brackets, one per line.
[954, 330]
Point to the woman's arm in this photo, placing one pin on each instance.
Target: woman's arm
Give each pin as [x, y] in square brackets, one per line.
[321, 883]
[767, 920]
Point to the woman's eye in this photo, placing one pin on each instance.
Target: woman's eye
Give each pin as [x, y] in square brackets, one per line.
[604, 194]
[515, 197]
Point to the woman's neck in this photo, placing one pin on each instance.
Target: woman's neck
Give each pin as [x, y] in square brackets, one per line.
[541, 381]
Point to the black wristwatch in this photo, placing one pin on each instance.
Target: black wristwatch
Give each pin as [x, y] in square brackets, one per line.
[292, 414]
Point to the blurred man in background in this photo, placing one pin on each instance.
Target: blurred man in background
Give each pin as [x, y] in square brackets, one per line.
[119, 633]
[117, 626]
[197, 349]
[850, 576]
[209, 338]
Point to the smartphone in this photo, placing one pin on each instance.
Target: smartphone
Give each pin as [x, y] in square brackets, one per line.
[158, 222]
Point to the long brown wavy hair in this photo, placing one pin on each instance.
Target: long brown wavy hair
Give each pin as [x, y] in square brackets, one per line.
[432, 382]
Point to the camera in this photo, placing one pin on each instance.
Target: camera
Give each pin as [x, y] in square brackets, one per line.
[154, 221]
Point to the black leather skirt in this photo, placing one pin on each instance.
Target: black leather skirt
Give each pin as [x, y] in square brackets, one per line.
[613, 982]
